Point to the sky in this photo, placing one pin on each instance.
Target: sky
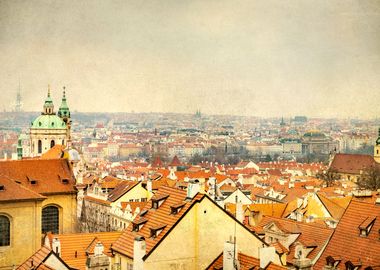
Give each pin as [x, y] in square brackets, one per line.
[244, 57]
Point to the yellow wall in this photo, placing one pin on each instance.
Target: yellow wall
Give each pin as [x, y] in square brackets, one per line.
[25, 218]
[199, 239]
[136, 192]
[67, 205]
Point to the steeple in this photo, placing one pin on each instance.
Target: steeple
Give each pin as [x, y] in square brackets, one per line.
[64, 111]
[376, 152]
[48, 106]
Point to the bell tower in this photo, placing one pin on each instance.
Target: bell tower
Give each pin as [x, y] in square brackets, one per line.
[376, 152]
[64, 114]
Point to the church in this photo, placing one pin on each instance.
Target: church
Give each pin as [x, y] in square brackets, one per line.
[38, 194]
[50, 129]
[352, 166]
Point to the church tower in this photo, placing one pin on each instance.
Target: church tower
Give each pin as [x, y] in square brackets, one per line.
[48, 130]
[64, 114]
[376, 154]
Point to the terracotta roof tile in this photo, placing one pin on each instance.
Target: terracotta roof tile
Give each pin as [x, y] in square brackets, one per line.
[347, 237]
[48, 174]
[351, 163]
[246, 263]
[121, 189]
[10, 191]
[156, 217]
[36, 259]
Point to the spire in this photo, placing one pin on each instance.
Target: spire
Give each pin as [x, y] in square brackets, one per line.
[48, 106]
[378, 139]
[64, 111]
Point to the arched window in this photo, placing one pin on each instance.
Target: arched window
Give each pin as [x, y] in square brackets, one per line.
[39, 146]
[50, 219]
[52, 143]
[5, 231]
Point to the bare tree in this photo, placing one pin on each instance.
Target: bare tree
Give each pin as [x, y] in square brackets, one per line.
[329, 177]
[370, 178]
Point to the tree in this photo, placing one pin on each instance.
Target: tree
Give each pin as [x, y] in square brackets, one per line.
[370, 178]
[329, 177]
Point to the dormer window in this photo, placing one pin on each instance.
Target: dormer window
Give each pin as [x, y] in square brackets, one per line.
[65, 181]
[33, 182]
[156, 230]
[366, 226]
[175, 209]
[143, 212]
[158, 200]
[138, 224]
[331, 261]
[353, 265]
[2, 187]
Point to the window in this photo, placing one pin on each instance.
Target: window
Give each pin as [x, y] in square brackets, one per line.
[5, 231]
[39, 146]
[50, 219]
[52, 143]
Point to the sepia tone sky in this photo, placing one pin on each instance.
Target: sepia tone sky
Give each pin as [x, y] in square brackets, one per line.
[253, 57]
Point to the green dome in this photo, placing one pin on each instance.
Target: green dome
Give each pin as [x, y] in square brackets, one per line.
[46, 121]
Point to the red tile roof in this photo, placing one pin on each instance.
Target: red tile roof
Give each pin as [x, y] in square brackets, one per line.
[351, 163]
[48, 175]
[11, 191]
[246, 263]
[346, 241]
[121, 189]
[36, 259]
[310, 235]
[74, 246]
[156, 217]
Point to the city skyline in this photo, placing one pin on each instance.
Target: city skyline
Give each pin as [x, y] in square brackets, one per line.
[259, 58]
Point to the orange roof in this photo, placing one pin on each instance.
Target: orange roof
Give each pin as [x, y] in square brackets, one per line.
[351, 163]
[42, 176]
[156, 217]
[55, 152]
[335, 210]
[110, 182]
[10, 191]
[74, 246]
[121, 189]
[311, 235]
[36, 259]
[246, 263]
[347, 237]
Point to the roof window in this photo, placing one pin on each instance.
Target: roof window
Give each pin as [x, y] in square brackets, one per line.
[353, 265]
[333, 261]
[366, 226]
[2, 187]
[156, 230]
[158, 200]
[176, 208]
[33, 182]
[65, 181]
[137, 224]
[143, 212]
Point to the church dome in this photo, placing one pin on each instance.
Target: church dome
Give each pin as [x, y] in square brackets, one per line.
[46, 121]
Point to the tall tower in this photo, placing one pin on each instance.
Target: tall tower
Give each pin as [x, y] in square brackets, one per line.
[64, 114]
[376, 154]
[47, 130]
[18, 104]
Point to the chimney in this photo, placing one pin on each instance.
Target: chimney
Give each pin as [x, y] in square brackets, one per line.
[139, 250]
[230, 256]
[56, 246]
[192, 188]
[149, 185]
[98, 250]
[239, 212]
[266, 255]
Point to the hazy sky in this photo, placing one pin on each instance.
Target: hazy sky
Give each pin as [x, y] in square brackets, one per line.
[254, 57]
